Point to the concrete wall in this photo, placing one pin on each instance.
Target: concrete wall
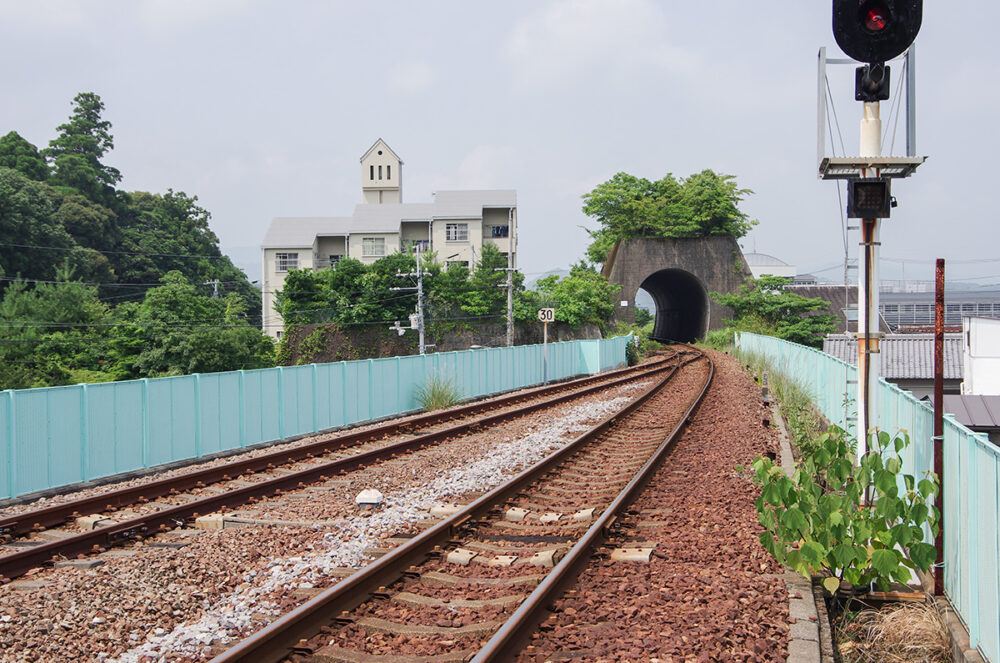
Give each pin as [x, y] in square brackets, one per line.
[716, 264]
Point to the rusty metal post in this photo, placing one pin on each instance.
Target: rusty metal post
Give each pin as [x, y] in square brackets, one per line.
[939, 420]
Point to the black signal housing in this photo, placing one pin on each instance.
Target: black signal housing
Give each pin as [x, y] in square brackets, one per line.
[875, 31]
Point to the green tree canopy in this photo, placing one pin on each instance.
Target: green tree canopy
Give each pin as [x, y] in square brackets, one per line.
[764, 306]
[582, 297]
[626, 206]
[19, 154]
[76, 153]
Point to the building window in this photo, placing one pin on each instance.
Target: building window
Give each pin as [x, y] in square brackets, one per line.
[388, 172]
[286, 261]
[372, 247]
[460, 263]
[371, 172]
[499, 231]
[456, 232]
[380, 172]
[335, 258]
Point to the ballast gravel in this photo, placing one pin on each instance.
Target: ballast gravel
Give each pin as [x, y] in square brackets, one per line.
[163, 604]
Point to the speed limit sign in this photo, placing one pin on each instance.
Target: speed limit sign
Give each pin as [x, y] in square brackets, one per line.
[546, 315]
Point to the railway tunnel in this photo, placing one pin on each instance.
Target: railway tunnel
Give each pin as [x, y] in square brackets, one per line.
[682, 312]
[677, 274]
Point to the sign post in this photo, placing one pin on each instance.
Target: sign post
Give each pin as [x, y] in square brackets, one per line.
[546, 315]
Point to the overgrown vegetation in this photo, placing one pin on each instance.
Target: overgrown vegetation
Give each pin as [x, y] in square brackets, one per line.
[357, 295]
[702, 205]
[97, 283]
[765, 306]
[438, 393]
[860, 523]
[845, 521]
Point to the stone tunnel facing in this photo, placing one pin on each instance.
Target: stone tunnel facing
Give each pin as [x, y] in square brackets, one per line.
[681, 305]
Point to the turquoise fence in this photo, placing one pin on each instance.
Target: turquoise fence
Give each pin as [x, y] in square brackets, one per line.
[62, 435]
[971, 476]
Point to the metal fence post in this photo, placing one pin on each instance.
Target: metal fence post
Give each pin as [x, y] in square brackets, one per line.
[84, 434]
[145, 422]
[197, 415]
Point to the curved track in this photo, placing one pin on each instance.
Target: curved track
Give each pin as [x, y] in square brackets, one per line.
[518, 546]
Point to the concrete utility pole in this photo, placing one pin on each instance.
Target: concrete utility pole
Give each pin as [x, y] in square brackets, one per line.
[420, 303]
[215, 287]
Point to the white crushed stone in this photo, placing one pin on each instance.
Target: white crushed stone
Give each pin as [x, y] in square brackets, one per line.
[345, 547]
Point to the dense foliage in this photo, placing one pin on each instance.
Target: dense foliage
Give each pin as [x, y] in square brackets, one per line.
[99, 283]
[849, 522]
[355, 294]
[702, 205]
[765, 306]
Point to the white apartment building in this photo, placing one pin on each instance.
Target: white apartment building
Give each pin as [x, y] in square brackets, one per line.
[456, 225]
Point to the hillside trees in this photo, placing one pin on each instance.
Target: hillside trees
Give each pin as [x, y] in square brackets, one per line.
[702, 205]
[63, 222]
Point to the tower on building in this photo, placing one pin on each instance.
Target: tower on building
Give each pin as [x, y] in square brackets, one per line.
[381, 175]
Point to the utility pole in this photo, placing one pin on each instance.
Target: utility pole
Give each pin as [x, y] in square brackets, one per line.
[215, 287]
[420, 303]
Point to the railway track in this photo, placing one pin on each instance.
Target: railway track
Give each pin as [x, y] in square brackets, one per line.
[477, 585]
[164, 505]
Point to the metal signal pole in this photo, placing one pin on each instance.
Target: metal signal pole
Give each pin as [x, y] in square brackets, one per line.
[868, 289]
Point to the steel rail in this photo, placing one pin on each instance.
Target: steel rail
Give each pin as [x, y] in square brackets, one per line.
[18, 563]
[516, 632]
[30, 521]
[283, 637]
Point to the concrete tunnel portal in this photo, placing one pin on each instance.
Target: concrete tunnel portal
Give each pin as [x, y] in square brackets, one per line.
[682, 305]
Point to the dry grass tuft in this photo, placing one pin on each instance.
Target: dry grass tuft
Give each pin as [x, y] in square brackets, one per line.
[907, 633]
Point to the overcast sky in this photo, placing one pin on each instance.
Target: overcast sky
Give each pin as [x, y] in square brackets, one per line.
[263, 109]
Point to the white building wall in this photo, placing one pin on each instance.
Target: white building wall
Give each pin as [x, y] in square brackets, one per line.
[356, 245]
[981, 356]
[451, 251]
[272, 282]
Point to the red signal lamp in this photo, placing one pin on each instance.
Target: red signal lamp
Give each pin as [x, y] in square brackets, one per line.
[875, 17]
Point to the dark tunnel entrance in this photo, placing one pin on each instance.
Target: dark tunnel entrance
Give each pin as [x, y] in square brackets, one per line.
[681, 305]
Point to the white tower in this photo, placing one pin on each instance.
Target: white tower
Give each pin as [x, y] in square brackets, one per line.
[381, 175]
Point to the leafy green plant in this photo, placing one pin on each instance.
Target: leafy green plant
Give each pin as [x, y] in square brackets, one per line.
[438, 393]
[848, 522]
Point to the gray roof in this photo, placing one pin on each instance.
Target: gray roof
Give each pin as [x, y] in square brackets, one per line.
[301, 232]
[762, 259]
[904, 356]
[974, 411]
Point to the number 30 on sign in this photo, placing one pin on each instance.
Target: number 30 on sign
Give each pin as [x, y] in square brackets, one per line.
[546, 315]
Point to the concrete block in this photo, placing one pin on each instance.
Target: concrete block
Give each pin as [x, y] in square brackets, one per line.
[515, 514]
[460, 556]
[211, 521]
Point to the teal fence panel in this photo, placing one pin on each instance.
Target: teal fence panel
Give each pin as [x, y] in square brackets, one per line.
[971, 476]
[62, 435]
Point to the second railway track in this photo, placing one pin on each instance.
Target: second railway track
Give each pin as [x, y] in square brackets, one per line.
[161, 504]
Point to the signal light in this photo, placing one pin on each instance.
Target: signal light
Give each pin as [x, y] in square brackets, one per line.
[875, 31]
[868, 198]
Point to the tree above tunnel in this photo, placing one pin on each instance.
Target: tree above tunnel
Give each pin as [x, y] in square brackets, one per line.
[703, 205]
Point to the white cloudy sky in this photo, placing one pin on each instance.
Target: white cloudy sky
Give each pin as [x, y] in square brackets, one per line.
[262, 109]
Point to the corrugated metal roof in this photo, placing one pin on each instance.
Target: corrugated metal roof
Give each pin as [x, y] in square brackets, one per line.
[973, 410]
[839, 299]
[903, 356]
[300, 232]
